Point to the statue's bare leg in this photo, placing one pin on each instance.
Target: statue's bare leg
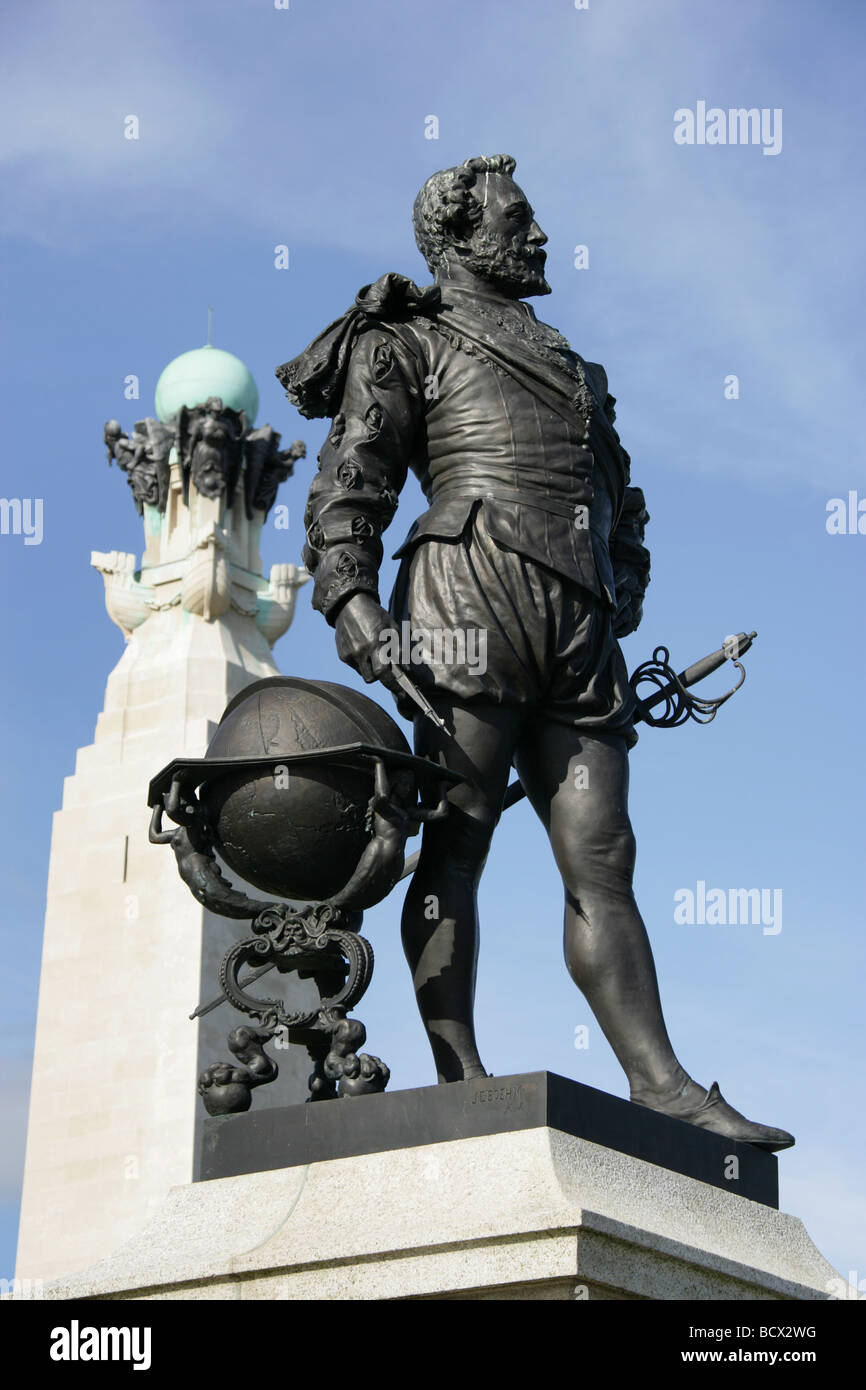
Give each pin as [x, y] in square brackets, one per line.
[579, 788]
[578, 785]
[440, 917]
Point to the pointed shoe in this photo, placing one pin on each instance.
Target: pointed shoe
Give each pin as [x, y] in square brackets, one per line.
[714, 1113]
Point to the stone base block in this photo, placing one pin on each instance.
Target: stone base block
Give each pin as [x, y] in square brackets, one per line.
[291, 1135]
[529, 1214]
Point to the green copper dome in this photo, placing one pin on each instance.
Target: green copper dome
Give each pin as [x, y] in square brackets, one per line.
[206, 371]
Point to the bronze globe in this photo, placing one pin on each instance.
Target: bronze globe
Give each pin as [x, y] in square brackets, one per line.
[296, 830]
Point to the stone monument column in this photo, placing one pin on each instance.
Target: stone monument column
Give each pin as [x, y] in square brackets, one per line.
[128, 953]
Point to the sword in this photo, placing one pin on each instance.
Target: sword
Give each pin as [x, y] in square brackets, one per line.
[423, 704]
[672, 690]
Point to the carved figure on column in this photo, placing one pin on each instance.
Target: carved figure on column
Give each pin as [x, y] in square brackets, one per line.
[267, 466]
[210, 447]
[143, 458]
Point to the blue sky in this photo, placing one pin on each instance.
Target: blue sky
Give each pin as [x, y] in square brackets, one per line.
[306, 127]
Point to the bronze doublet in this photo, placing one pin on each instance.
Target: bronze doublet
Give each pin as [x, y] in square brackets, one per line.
[481, 401]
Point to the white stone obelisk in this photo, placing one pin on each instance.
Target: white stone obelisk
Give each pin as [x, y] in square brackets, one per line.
[128, 953]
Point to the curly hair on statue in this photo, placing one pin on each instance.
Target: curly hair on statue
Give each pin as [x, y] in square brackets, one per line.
[446, 211]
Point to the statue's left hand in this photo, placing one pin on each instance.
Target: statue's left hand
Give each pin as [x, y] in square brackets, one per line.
[361, 627]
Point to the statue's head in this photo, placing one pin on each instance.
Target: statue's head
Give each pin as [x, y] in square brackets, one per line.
[403, 789]
[112, 431]
[213, 405]
[476, 216]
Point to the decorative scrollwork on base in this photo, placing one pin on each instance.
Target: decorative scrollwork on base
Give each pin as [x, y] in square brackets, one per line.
[318, 943]
[339, 960]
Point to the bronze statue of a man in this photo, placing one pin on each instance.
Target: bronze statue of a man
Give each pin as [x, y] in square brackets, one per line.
[533, 541]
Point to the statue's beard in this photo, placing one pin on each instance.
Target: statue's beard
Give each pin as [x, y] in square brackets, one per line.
[514, 268]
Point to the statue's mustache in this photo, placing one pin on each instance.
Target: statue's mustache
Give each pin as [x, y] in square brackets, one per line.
[494, 254]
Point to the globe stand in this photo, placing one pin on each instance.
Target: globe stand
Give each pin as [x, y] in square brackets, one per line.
[335, 760]
[317, 943]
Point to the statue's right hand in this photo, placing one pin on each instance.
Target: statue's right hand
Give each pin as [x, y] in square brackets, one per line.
[361, 627]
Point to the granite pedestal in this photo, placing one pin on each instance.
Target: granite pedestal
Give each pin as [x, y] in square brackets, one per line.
[542, 1189]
